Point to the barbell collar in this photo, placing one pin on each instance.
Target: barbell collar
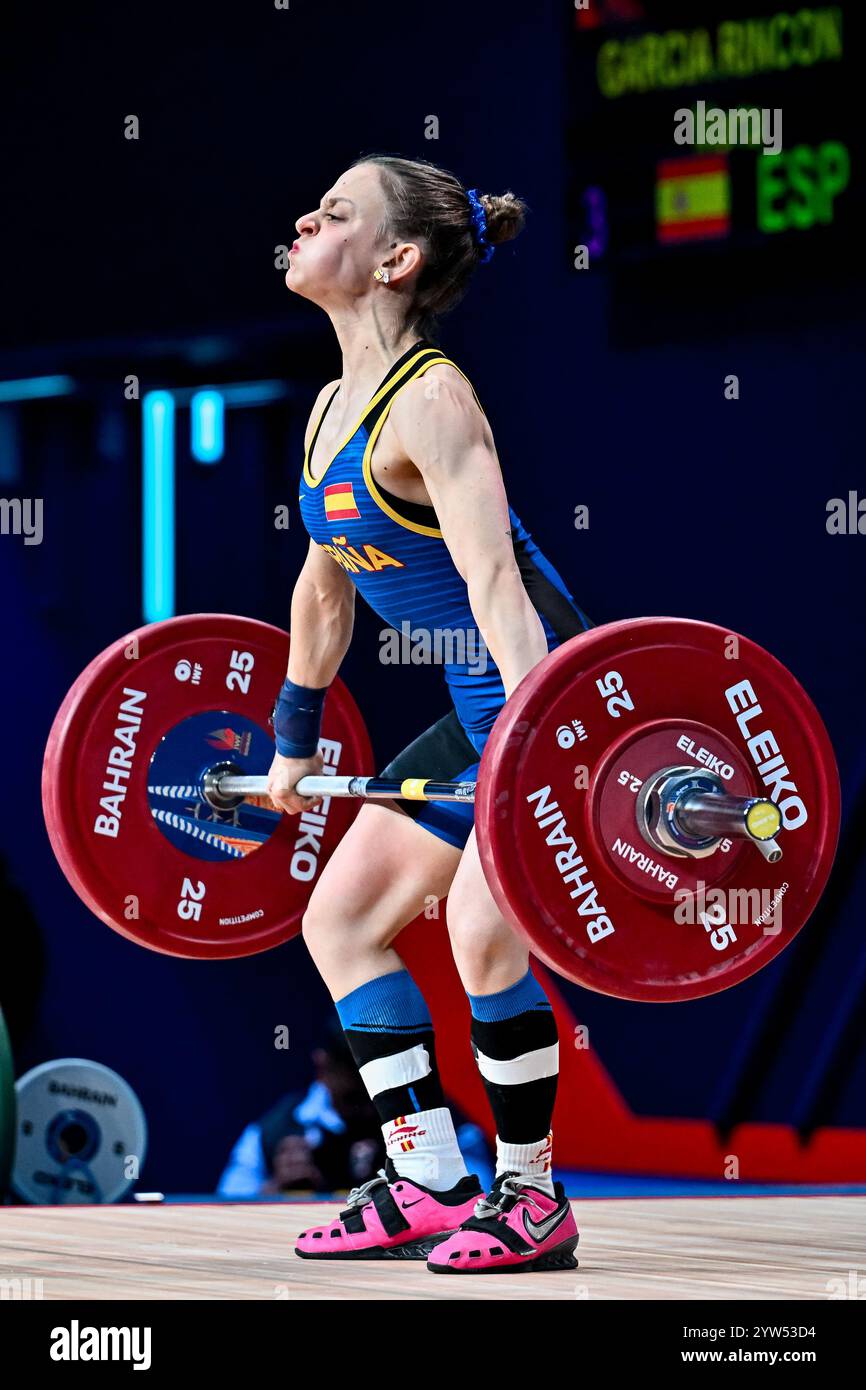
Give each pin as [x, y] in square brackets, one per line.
[721, 815]
[686, 811]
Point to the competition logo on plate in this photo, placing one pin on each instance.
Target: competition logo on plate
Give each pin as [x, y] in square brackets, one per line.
[176, 803]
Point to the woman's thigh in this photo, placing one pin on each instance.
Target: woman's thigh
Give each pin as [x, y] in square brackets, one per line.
[383, 873]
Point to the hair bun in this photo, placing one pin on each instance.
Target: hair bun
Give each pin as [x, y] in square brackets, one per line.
[506, 215]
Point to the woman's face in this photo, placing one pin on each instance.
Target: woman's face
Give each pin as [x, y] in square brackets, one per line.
[336, 251]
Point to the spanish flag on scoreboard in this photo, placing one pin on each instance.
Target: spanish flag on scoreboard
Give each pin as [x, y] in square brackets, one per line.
[340, 502]
[693, 198]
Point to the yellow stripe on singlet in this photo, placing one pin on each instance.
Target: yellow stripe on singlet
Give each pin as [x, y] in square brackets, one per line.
[413, 361]
[367, 461]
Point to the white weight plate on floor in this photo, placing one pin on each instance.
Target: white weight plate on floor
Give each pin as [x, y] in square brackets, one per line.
[80, 1128]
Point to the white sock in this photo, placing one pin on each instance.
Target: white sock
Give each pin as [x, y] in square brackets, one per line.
[423, 1147]
[531, 1162]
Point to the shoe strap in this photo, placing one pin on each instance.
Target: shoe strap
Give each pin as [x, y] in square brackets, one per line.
[377, 1191]
[502, 1196]
[359, 1196]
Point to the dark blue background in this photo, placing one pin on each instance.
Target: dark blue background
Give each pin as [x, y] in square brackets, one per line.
[156, 258]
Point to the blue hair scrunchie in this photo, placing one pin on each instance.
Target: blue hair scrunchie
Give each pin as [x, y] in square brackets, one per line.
[479, 224]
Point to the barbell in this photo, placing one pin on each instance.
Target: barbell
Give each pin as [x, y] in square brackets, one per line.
[657, 806]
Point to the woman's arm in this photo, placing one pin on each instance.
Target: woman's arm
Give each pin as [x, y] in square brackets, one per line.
[323, 615]
[449, 441]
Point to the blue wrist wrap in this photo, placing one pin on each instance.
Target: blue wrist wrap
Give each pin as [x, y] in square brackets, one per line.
[297, 719]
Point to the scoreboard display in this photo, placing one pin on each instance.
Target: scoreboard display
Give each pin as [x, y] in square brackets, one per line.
[716, 142]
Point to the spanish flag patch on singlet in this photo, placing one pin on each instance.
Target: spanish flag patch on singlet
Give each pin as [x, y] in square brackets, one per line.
[340, 502]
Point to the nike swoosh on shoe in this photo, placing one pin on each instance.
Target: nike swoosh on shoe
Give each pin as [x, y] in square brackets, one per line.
[541, 1230]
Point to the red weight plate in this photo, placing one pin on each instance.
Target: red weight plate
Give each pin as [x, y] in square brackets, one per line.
[563, 853]
[120, 778]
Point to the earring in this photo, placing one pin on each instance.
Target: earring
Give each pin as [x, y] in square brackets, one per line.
[381, 274]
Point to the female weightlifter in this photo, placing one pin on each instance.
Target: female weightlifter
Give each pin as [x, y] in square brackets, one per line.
[403, 499]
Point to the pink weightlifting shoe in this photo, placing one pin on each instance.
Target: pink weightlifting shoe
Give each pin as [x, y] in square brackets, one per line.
[516, 1227]
[391, 1218]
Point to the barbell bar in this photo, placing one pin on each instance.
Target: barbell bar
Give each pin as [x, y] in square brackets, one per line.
[706, 815]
